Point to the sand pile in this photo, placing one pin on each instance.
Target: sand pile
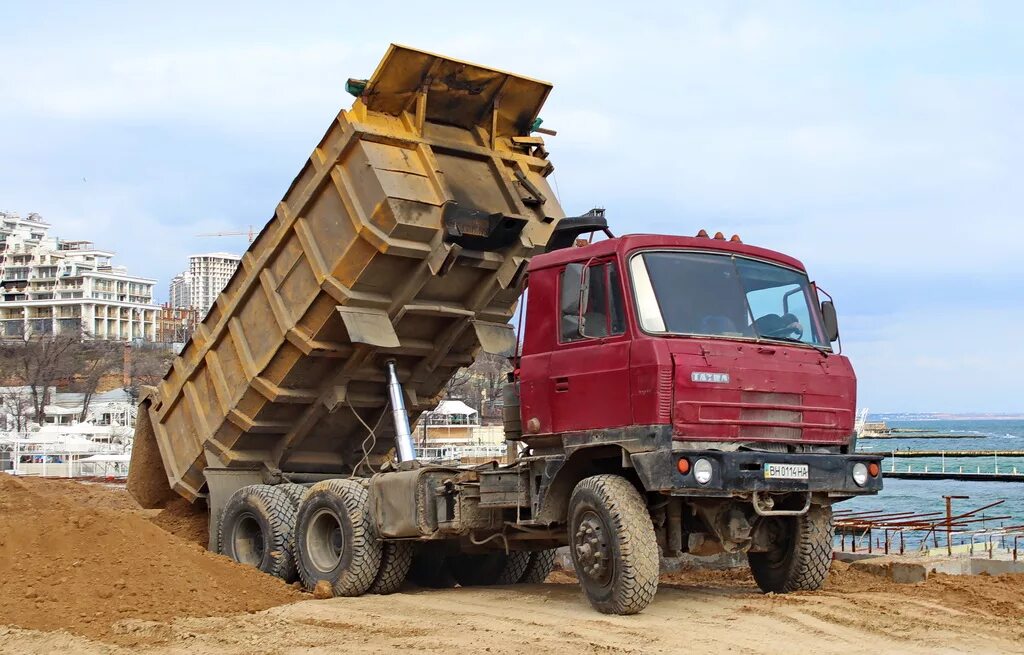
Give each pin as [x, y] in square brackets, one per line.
[184, 519]
[70, 561]
[996, 598]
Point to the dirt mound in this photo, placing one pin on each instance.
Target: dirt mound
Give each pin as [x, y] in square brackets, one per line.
[97, 495]
[70, 562]
[993, 595]
[187, 520]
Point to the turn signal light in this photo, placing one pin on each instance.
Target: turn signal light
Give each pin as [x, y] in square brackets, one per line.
[873, 469]
[683, 465]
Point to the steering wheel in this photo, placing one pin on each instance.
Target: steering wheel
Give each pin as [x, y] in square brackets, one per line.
[787, 331]
[792, 328]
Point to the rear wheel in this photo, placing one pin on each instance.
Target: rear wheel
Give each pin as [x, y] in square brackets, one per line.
[613, 546]
[395, 561]
[802, 553]
[515, 566]
[539, 567]
[334, 538]
[296, 491]
[256, 528]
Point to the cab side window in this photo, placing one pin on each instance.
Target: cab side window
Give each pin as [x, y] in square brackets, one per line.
[603, 313]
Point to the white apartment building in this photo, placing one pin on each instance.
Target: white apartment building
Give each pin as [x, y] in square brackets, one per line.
[51, 286]
[206, 277]
[180, 291]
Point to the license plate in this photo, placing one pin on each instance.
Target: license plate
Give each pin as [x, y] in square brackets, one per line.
[785, 471]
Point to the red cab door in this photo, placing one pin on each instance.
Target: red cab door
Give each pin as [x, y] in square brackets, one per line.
[589, 366]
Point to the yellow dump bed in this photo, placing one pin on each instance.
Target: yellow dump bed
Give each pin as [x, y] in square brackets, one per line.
[405, 236]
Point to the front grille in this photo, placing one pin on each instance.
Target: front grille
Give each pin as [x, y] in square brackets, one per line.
[750, 412]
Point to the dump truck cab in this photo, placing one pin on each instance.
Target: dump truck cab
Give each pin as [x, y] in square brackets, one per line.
[702, 371]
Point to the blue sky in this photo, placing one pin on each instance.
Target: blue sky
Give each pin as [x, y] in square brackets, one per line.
[878, 142]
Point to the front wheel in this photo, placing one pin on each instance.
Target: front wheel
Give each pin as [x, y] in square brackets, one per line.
[613, 546]
[801, 554]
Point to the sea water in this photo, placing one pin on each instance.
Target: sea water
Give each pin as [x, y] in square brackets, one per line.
[921, 496]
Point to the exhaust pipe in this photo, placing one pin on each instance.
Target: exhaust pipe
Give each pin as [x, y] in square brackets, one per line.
[403, 433]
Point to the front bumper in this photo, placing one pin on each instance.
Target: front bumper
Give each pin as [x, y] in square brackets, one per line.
[739, 472]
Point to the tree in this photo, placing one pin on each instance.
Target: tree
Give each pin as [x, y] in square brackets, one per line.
[14, 402]
[146, 367]
[480, 383]
[39, 363]
[93, 361]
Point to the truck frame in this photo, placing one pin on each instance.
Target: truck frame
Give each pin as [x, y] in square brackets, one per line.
[666, 394]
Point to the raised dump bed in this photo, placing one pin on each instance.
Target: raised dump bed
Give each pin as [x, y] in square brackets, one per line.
[405, 237]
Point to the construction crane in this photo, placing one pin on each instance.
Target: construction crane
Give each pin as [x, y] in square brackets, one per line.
[251, 234]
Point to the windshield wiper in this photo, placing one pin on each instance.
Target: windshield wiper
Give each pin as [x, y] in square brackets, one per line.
[790, 339]
[817, 347]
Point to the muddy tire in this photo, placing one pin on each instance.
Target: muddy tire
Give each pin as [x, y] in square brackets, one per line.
[430, 567]
[803, 555]
[613, 546]
[539, 567]
[395, 562]
[335, 540]
[256, 528]
[515, 566]
[296, 491]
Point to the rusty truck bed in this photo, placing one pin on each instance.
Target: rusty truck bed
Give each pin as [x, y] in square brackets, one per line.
[405, 236]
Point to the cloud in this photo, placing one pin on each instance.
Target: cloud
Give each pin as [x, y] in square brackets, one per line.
[232, 87]
[879, 147]
[945, 360]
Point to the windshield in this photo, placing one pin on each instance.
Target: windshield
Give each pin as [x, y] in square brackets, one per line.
[723, 295]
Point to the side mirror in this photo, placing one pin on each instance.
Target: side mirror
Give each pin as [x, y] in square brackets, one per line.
[584, 297]
[828, 314]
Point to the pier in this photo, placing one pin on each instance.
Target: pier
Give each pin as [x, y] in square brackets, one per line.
[954, 475]
[919, 435]
[949, 453]
[1004, 465]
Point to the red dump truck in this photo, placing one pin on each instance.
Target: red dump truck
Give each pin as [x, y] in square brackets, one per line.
[666, 394]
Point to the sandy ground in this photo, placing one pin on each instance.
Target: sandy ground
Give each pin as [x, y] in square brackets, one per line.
[716, 611]
[554, 617]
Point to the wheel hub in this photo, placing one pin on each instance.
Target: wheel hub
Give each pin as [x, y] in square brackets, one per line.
[247, 537]
[325, 542]
[591, 545]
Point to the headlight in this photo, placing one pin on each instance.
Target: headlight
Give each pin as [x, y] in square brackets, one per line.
[702, 471]
[860, 474]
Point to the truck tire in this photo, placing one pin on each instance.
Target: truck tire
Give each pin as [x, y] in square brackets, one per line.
[802, 556]
[395, 561]
[296, 491]
[430, 567]
[256, 528]
[539, 567]
[613, 546]
[515, 567]
[334, 538]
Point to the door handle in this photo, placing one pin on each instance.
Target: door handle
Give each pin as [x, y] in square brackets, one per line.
[561, 384]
